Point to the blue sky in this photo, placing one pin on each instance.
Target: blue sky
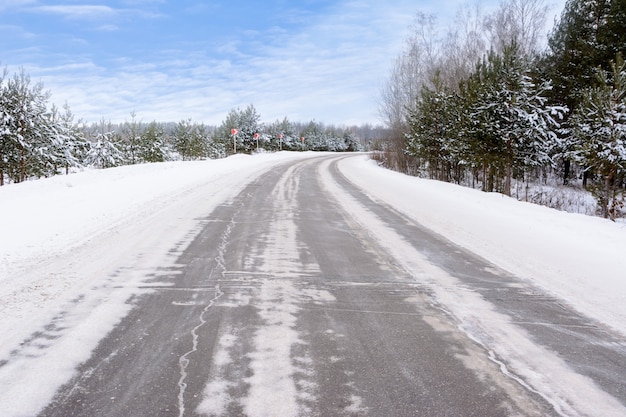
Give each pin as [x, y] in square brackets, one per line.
[171, 60]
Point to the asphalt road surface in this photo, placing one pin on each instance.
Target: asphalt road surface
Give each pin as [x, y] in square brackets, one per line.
[287, 303]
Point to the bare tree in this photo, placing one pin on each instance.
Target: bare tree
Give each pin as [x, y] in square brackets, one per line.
[520, 21]
[410, 71]
[463, 46]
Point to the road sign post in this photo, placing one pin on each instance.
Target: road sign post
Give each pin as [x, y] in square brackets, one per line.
[234, 133]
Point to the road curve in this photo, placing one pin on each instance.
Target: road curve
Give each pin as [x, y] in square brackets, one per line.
[303, 296]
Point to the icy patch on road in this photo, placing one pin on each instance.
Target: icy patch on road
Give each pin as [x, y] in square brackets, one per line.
[281, 377]
[183, 361]
[281, 383]
[273, 385]
[215, 393]
[273, 389]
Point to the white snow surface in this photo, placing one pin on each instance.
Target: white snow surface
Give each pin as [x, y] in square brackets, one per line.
[71, 242]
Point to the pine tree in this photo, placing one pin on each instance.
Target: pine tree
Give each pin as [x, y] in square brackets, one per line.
[131, 139]
[70, 146]
[183, 139]
[198, 148]
[351, 143]
[247, 123]
[153, 146]
[25, 125]
[104, 149]
[616, 29]
[584, 41]
[315, 137]
[282, 135]
[432, 130]
[6, 119]
[510, 125]
[600, 134]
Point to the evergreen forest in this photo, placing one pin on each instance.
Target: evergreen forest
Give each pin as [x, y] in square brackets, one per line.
[41, 140]
[495, 104]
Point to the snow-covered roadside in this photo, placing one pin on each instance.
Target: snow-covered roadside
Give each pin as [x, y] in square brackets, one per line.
[578, 258]
[77, 247]
[533, 366]
[52, 215]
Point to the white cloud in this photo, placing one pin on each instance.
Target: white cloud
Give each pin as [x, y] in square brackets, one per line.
[142, 2]
[95, 11]
[16, 31]
[108, 28]
[77, 11]
[14, 4]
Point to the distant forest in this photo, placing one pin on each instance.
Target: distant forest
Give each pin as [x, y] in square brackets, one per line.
[40, 140]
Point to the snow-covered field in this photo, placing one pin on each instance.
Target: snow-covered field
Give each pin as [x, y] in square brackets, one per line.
[70, 242]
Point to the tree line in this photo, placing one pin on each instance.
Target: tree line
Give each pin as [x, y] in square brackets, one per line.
[40, 140]
[486, 103]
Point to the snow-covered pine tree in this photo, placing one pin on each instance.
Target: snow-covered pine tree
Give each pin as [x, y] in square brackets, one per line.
[586, 38]
[350, 142]
[576, 49]
[34, 141]
[282, 135]
[153, 145]
[27, 143]
[6, 148]
[247, 123]
[433, 129]
[181, 139]
[600, 135]
[69, 144]
[315, 137]
[511, 115]
[131, 139]
[104, 150]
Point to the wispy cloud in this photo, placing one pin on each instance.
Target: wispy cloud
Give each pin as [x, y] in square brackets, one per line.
[16, 31]
[77, 11]
[14, 4]
[96, 11]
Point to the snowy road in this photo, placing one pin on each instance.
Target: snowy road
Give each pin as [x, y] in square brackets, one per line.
[298, 294]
